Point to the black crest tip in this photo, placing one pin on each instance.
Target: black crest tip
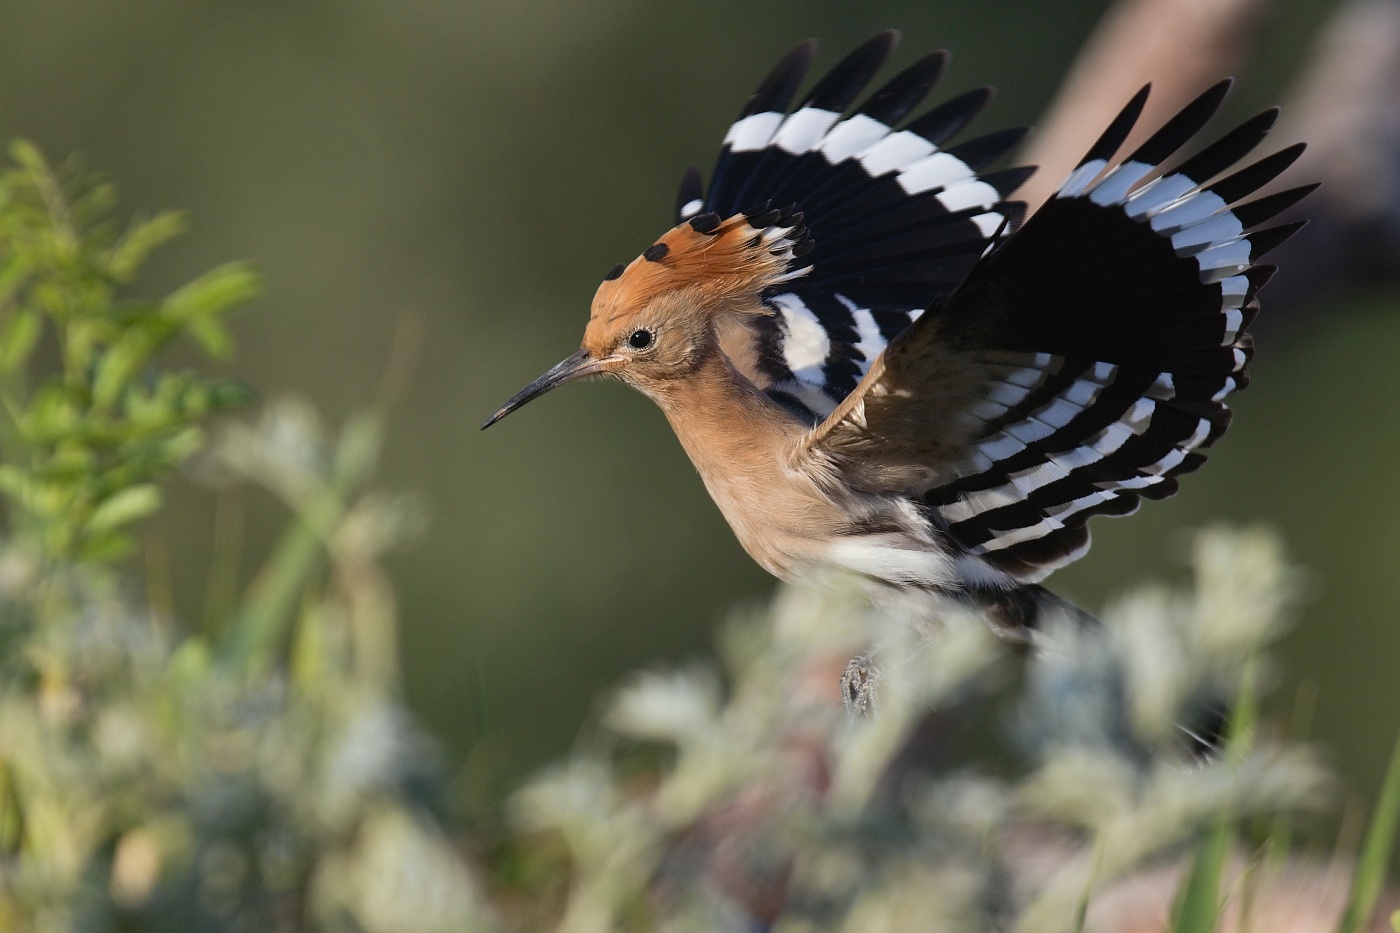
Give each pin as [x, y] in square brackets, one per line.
[707, 222]
[761, 220]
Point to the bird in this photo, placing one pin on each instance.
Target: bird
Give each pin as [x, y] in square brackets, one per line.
[881, 365]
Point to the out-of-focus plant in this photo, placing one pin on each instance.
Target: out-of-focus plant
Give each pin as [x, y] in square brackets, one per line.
[993, 789]
[83, 441]
[261, 773]
[264, 777]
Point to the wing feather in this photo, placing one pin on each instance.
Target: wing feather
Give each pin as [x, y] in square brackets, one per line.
[897, 219]
[1084, 361]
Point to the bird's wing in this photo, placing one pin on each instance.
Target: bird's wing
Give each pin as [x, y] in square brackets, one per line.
[897, 219]
[1084, 362]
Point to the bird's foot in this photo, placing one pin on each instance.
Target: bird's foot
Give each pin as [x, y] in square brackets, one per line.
[858, 686]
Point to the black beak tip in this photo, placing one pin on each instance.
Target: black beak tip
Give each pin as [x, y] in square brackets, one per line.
[566, 370]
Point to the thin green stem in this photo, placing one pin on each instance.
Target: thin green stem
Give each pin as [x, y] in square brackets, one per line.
[1375, 853]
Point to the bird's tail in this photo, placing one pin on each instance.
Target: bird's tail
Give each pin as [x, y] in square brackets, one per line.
[1016, 613]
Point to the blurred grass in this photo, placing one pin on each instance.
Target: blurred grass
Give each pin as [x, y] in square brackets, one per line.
[1376, 851]
[480, 166]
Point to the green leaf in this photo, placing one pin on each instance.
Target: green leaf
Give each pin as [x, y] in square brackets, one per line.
[11, 811]
[1198, 907]
[17, 340]
[51, 416]
[1375, 854]
[105, 548]
[226, 394]
[116, 367]
[123, 259]
[28, 156]
[182, 445]
[87, 443]
[123, 508]
[14, 482]
[200, 304]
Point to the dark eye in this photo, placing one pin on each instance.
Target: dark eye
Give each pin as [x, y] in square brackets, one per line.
[640, 339]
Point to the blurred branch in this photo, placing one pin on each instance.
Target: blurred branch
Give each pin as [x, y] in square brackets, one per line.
[1346, 106]
[261, 624]
[1180, 46]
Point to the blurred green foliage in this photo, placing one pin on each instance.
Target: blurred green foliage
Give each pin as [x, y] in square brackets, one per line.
[151, 777]
[82, 444]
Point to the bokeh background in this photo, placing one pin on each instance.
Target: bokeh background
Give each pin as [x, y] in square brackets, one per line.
[474, 169]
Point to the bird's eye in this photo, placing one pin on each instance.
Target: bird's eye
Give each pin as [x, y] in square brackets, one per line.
[640, 339]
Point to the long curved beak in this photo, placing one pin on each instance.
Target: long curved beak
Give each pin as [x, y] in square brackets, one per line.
[575, 367]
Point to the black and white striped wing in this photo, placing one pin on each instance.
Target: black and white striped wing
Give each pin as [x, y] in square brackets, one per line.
[1113, 324]
[1085, 361]
[898, 217]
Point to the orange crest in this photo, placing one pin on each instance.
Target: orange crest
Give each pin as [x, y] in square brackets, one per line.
[726, 263]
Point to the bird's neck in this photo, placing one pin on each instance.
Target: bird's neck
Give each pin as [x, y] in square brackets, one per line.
[741, 443]
[723, 420]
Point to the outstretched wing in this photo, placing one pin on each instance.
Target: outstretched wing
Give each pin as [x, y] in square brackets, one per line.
[897, 219]
[1085, 361]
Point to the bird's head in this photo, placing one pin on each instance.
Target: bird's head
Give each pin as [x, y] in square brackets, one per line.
[654, 320]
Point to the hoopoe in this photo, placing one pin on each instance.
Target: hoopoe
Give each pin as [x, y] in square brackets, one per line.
[876, 366]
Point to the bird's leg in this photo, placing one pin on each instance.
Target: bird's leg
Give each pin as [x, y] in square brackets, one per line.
[1014, 614]
[858, 683]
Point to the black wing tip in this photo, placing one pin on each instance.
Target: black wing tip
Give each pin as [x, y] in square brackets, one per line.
[1228, 151]
[931, 65]
[982, 151]
[1138, 101]
[886, 39]
[1259, 275]
[1260, 123]
[1261, 209]
[1218, 90]
[1118, 128]
[777, 89]
[949, 118]
[1262, 241]
[1209, 100]
[799, 59]
[1186, 123]
[893, 101]
[1257, 174]
[840, 86]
